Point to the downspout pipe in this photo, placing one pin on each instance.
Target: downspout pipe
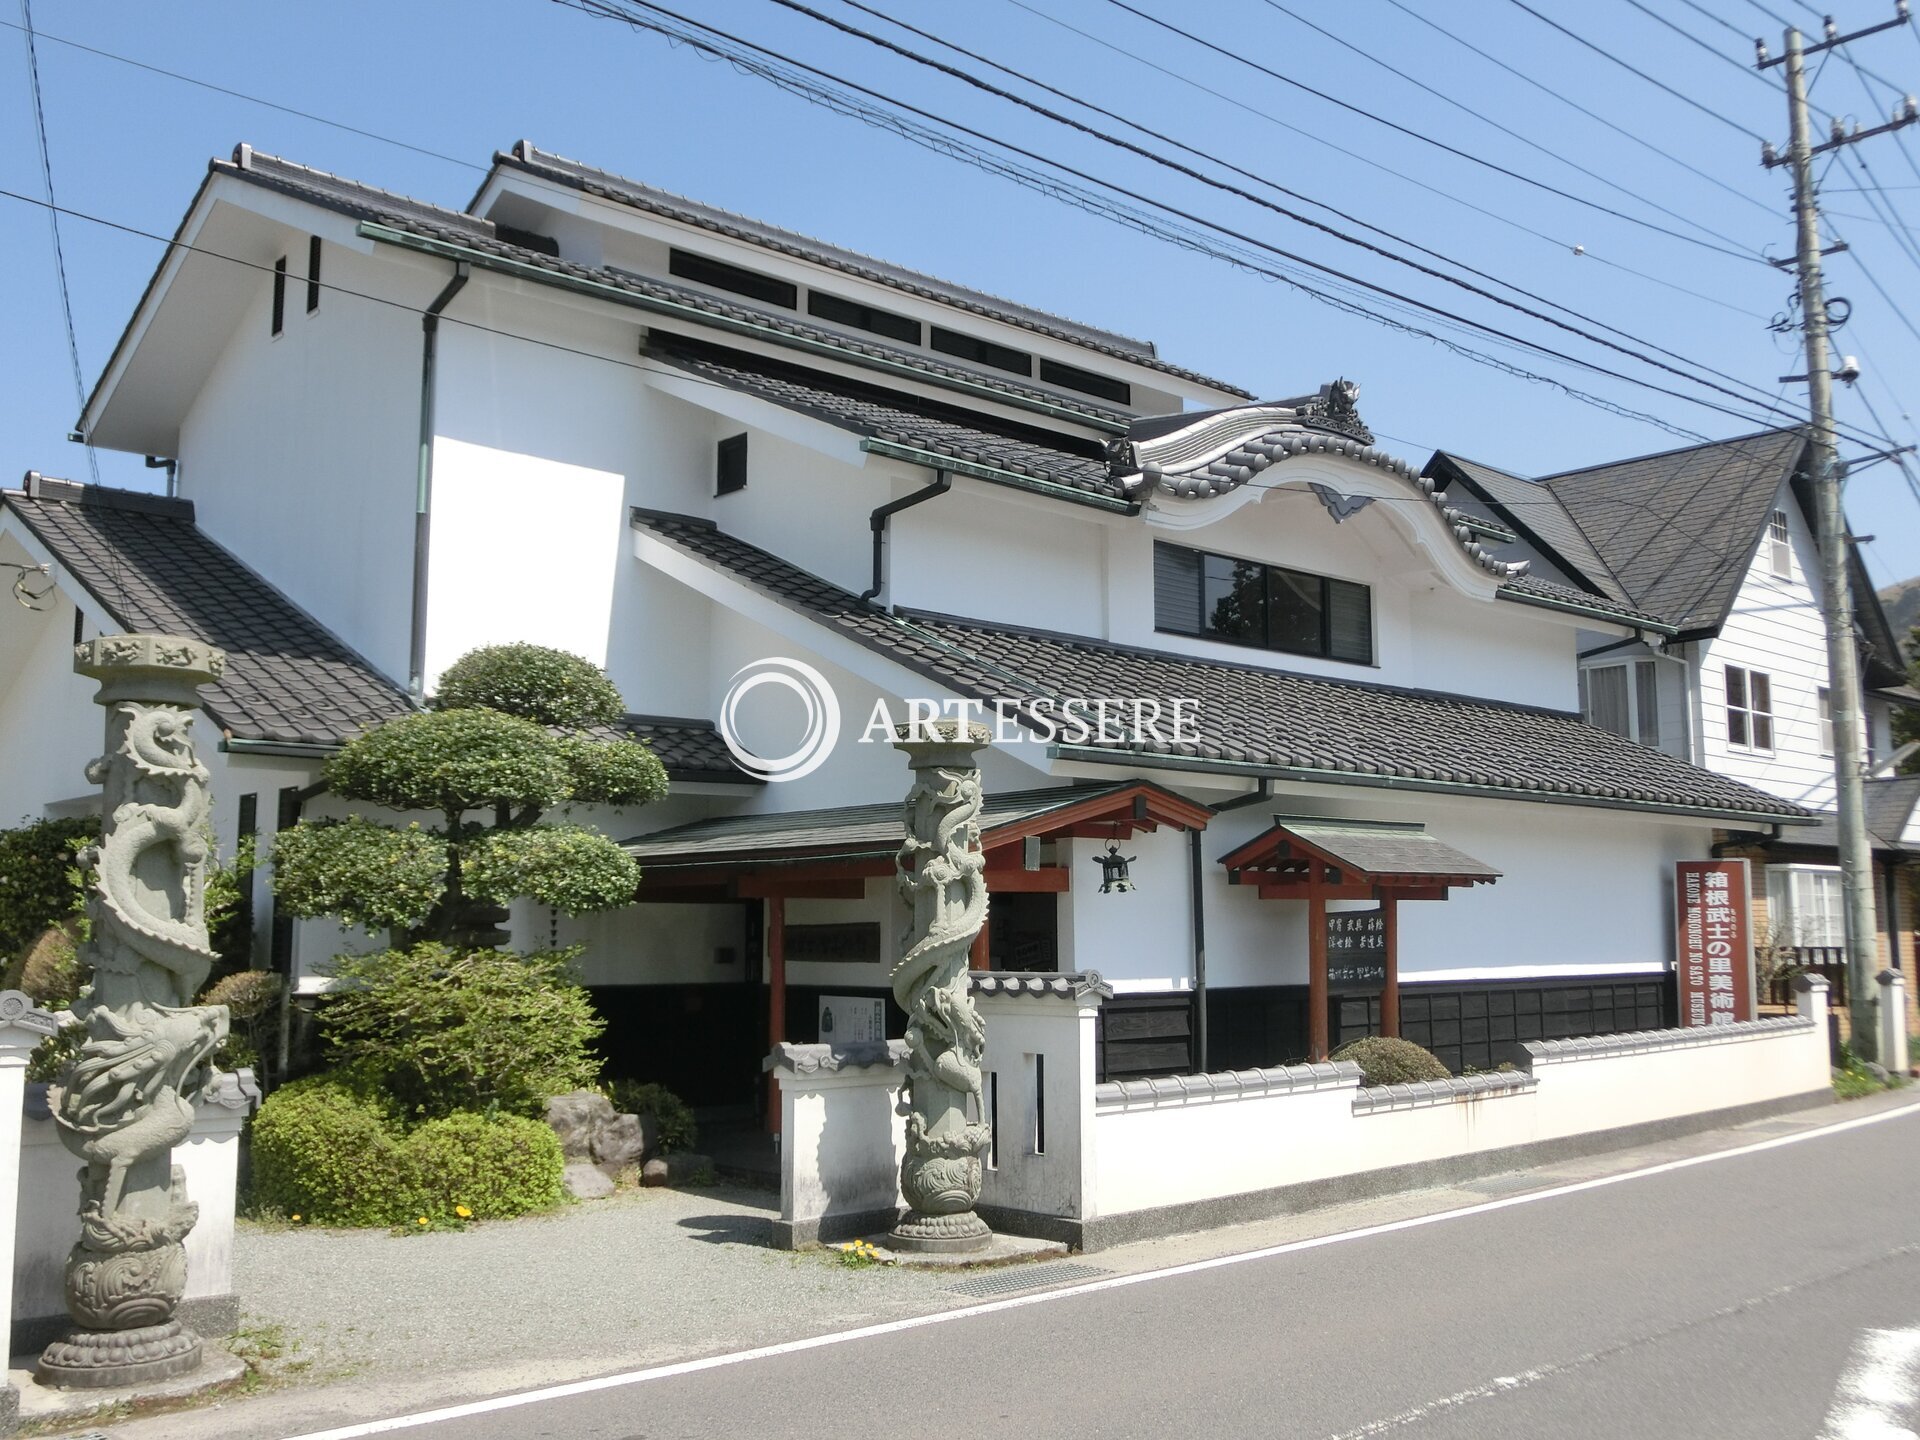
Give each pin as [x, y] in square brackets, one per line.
[942, 483]
[1199, 907]
[423, 481]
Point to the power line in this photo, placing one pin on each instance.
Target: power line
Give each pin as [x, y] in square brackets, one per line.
[1488, 120]
[1548, 90]
[779, 70]
[1446, 195]
[1744, 253]
[1607, 54]
[1694, 39]
[956, 73]
[1882, 206]
[53, 219]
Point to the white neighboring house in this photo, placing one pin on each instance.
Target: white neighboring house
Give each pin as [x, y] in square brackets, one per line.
[585, 413]
[1718, 541]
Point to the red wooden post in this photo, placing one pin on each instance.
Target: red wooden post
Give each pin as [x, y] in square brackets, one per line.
[1316, 965]
[1390, 937]
[776, 999]
[980, 957]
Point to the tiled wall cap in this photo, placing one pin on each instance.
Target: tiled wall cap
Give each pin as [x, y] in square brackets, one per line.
[1891, 977]
[832, 1059]
[1227, 1084]
[1591, 1047]
[1075, 985]
[233, 1090]
[1807, 980]
[1418, 1093]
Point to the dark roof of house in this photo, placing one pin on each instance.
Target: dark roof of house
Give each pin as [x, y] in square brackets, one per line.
[288, 679]
[1373, 847]
[608, 186]
[894, 415]
[1250, 720]
[1889, 805]
[1671, 535]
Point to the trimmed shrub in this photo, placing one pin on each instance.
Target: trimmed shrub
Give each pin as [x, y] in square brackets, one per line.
[36, 886]
[331, 1154]
[674, 1127]
[549, 687]
[1386, 1061]
[498, 1166]
[444, 1031]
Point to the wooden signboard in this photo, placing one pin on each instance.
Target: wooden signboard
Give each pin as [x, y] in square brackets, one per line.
[1713, 964]
[848, 1018]
[1356, 951]
[855, 941]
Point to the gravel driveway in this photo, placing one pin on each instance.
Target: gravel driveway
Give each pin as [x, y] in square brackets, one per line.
[640, 1276]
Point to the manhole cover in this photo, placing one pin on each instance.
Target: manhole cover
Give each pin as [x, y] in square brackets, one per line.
[1024, 1277]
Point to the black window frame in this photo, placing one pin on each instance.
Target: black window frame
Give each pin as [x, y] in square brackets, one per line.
[1087, 382]
[735, 279]
[313, 273]
[279, 320]
[1324, 584]
[730, 465]
[981, 352]
[857, 315]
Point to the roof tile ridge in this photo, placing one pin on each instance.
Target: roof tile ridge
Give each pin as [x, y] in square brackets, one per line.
[1533, 535]
[245, 157]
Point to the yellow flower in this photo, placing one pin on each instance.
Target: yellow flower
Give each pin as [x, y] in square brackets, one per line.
[296, 1219]
[421, 1221]
[463, 1212]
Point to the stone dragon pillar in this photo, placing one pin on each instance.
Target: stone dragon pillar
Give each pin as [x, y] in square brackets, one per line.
[129, 1098]
[940, 873]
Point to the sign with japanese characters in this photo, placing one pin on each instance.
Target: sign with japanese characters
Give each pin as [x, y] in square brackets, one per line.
[1714, 963]
[1356, 951]
[847, 1018]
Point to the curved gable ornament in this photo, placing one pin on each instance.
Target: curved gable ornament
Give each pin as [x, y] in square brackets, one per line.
[1199, 457]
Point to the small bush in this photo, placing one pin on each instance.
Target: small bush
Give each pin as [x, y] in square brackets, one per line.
[36, 885]
[329, 1153]
[497, 1167]
[445, 1031]
[1386, 1061]
[549, 687]
[674, 1127]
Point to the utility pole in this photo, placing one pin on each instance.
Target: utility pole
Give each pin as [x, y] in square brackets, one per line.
[1843, 661]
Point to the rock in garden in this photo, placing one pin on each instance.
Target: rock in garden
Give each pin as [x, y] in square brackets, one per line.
[619, 1141]
[586, 1182]
[675, 1169]
[576, 1118]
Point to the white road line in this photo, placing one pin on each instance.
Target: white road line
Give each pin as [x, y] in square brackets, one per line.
[1877, 1389]
[893, 1327]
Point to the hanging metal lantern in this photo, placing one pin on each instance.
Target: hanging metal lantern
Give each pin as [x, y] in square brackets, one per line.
[1114, 877]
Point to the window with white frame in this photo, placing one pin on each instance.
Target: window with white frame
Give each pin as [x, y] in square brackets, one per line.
[1749, 709]
[1805, 907]
[1623, 698]
[1780, 545]
[1826, 721]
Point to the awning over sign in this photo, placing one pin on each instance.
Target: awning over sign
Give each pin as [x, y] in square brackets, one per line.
[1302, 850]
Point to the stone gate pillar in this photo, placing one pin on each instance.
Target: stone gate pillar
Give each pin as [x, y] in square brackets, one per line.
[129, 1097]
[940, 872]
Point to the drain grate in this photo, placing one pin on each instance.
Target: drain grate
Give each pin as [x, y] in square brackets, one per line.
[1024, 1277]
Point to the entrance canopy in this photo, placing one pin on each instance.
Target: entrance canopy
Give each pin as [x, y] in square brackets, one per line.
[1316, 859]
[1352, 860]
[827, 854]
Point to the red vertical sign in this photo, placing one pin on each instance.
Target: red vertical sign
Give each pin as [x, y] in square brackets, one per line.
[1714, 963]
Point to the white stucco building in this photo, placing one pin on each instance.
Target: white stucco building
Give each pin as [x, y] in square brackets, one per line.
[586, 414]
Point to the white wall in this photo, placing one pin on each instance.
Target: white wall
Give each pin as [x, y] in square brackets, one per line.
[1140, 940]
[299, 452]
[1775, 627]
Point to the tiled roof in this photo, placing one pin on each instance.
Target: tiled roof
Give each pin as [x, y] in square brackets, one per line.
[1677, 530]
[690, 749]
[1371, 847]
[896, 416]
[1889, 805]
[288, 679]
[454, 227]
[1252, 719]
[1538, 590]
[1538, 515]
[841, 832]
[621, 190]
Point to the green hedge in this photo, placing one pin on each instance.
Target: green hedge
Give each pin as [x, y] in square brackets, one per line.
[35, 891]
[1386, 1061]
[334, 1155]
[674, 1127]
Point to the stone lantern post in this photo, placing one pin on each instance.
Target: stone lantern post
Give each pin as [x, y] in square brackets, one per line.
[129, 1097]
[940, 873]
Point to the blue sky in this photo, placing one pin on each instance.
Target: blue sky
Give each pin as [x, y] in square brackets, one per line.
[129, 146]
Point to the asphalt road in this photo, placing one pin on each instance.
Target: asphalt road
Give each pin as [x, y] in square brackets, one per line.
[1722, 1298]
